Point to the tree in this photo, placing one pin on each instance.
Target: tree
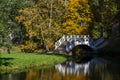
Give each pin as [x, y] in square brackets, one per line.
[103, 13]
[42, 23]
[77, 17]
[8, 11]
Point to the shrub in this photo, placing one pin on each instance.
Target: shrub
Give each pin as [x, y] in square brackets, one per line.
[29, 46]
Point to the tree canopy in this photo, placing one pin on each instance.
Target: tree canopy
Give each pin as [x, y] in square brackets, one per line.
[40, 23]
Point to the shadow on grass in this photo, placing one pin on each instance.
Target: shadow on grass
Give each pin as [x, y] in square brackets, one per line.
[68, 57]
[5, 61]
[63, 55]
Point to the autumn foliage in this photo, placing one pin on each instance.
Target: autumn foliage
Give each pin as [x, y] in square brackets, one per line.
[46, 21]
[77, 17]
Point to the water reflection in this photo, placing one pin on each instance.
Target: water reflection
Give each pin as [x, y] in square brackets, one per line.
[86, 69]
[72, 68]
[93, 69]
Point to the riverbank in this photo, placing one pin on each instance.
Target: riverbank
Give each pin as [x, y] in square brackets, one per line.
[113, 48]
[18, 62]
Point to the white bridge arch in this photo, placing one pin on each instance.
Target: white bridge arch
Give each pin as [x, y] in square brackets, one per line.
[67, 43]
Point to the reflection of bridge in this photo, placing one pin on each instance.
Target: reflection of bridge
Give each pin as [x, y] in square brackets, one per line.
[67, 43]
[80, 68]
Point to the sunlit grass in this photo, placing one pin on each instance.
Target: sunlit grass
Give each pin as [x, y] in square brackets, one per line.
[19, 61]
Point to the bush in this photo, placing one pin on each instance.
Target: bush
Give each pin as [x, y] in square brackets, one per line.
[29, 46]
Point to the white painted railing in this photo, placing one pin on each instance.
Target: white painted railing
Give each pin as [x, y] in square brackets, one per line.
[59, 42]
[76, 37]
[74, 40]
[71, 38]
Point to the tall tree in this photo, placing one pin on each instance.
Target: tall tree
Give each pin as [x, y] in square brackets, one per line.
[103, 13]
[8, 11]
[77, 17]
[42, 22]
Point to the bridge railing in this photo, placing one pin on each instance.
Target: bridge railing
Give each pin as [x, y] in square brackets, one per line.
[97, 42]
[60, 41]
[77, 39]
[74, 40]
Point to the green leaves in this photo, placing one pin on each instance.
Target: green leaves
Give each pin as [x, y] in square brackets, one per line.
[103, 12]
[8, 12]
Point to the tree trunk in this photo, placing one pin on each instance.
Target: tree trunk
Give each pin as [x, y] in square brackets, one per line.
[43, 40]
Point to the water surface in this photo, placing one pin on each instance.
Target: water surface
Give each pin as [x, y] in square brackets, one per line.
[86, 69]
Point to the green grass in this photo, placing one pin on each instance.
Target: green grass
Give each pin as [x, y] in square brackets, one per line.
[23, 61]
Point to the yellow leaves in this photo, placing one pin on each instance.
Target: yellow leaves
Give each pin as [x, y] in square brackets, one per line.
[77, 14]
[74, 3]
[32, 33]
[20, 18]
[33, 18]
[37, 21]
[50, 43]
[69, 23]
[29, 46]
[83, 31]
[29, 17]
[70, 27]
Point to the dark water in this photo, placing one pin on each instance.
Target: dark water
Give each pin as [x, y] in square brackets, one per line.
[85, 69]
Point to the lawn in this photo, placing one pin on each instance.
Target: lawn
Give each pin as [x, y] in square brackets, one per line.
[15, 62]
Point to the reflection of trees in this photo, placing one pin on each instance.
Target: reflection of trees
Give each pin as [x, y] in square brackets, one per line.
[32, 75]
[43, 74]
[16, 76]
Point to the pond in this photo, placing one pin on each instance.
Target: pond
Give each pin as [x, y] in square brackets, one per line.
[89, 68]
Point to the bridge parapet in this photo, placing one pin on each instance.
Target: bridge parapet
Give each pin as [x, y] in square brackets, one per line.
[66, 43]
[76, 38]
[59, 42]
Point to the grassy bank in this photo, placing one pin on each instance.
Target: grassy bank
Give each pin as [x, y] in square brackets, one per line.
[15, 62]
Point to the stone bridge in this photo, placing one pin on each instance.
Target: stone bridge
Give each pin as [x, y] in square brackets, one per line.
[66, 43]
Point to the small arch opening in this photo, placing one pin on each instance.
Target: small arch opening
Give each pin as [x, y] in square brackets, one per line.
[81, 49]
